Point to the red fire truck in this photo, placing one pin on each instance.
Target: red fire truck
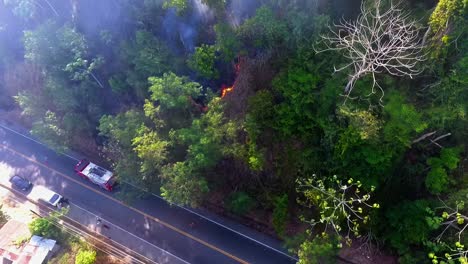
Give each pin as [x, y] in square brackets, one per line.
[97, 175]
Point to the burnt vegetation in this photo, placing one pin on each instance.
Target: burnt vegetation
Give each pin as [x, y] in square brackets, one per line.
[329, 124]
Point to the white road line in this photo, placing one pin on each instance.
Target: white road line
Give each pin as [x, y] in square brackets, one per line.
[76, 230]
[151, 244]
[38, 142]
[217, 223]
[180, 206]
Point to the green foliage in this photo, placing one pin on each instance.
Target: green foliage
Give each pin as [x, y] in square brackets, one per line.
[437, 179]
[339, 204]
[180, 5]
[45, 228]
[182, 185]
[151, 150]
[209, 138]
[148, 54]
[50, 131]
[144, 56]
[280, 214]
[203, 61]
[364, 122]
[447, 12]
[172, 92]
[3, 217]
[295, 116]
[240, 203]
[260, 114]
[448, 109]
[403, 120]
[321, 249]
[120, 130]
[410, 223]
[227, 43]
[60, 49]
[85, 257]
[264, 30]
[259, 117]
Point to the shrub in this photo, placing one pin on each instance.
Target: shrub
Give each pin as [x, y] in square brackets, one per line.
[280, 214]
[240, 203]
[45, 228]
[3, 217]
[85, 257]
[319, 250]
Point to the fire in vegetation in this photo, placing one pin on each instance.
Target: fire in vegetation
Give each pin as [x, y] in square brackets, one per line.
[224, 89]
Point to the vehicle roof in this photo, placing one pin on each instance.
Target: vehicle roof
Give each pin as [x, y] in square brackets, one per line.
[40, 192]
[98, 174]
[18, 180]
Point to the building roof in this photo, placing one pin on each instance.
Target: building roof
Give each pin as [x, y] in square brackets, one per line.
[10, 232]
[34, 252]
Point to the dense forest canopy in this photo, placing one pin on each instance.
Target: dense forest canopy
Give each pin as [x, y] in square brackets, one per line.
[332, 122]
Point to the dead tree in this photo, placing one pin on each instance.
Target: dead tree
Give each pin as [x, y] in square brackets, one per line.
[377, 42]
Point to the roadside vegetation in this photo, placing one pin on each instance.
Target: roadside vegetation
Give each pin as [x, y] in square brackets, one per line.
[73, 249]
[325, 123]
[3, 217]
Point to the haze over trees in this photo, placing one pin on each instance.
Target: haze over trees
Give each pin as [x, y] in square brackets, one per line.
[329, 123]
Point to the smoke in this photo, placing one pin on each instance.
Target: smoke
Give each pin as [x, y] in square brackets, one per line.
[240, 10]
[185, 29]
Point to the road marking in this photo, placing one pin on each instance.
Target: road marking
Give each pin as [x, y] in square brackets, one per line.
[180, 206]
[81, 208]
[217, 223]
[130, 207]
[38, 142]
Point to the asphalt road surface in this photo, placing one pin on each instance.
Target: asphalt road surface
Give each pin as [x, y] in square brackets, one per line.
[152, 219]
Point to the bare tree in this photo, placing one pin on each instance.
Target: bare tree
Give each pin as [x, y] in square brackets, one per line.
[377, 42]
[454, 219]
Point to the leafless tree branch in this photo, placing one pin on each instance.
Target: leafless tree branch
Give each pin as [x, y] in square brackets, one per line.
[377, 42]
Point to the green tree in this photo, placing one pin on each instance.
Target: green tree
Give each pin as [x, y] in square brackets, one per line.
[264, 30]
[203, 61]
[240, 203]
[227, 43]
[85, 257]
[120, 131]
[414, 222]
[143, 57]
[182, 184]
[437, 179]
[45, 228]
[152, 151]
[171, 104]
[320, 249]
[61, 49]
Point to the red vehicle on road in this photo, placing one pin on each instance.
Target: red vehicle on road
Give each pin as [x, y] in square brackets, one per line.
[97, 175]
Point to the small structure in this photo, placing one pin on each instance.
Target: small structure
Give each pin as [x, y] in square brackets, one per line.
[37, 251]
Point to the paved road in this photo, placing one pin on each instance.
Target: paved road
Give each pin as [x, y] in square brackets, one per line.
[152, 219]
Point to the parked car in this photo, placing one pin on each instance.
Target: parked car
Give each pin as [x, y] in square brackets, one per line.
[42, 193]
[21, 183]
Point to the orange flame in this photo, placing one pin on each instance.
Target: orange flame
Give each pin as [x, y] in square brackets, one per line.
[226, 90]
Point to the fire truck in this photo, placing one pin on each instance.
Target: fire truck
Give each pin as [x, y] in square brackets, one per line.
[97, 175]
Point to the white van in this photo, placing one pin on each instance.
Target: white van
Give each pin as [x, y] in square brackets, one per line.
[40, 192]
